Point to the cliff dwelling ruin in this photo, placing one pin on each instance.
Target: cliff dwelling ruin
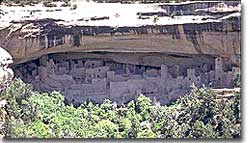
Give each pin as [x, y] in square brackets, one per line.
[158, 50]
[122, 76]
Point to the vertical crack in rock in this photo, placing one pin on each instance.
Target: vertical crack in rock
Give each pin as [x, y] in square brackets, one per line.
[76, 38]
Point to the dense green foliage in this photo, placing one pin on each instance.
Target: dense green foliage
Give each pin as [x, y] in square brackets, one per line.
[197, 115]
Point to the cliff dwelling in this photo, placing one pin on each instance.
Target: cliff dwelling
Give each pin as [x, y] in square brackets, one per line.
[123, 76]
[158, 50]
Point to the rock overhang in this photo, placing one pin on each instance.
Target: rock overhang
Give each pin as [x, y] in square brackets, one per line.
[188, 34]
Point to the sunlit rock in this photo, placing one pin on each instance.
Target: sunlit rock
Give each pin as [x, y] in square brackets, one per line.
[6, 73]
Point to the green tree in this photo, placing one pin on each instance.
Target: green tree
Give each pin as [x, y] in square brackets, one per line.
[200, 114]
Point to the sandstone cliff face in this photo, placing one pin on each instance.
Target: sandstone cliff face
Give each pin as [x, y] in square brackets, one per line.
[217, 35]
[35, 38]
